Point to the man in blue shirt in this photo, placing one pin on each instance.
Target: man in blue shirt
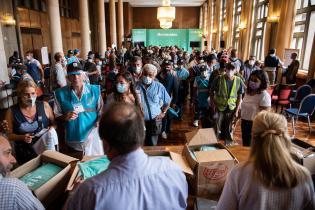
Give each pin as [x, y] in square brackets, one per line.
[155, 101]
[168, 78]
[133, 181]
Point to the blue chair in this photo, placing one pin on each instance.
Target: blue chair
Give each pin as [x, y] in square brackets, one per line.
[301, 93]
[305, 110]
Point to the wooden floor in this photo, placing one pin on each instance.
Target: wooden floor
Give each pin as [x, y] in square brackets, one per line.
[178, 129]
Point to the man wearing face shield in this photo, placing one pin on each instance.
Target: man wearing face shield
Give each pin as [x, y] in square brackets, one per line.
[14, 193]
[79, 105]
[249, 67]
[135, 67]
[226, 96]
[26, 119]
[169, 80]
[155, 102]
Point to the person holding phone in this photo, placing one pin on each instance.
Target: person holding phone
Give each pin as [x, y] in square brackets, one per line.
[27, 118]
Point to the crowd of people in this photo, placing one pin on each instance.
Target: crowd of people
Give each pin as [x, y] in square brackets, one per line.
[129, 96]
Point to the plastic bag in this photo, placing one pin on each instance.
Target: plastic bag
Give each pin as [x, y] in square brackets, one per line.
[93, 144]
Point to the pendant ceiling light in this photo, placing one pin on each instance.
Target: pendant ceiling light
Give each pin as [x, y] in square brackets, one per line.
[166, 14]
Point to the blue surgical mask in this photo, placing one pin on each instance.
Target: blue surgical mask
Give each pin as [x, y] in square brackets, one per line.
[121, 88]
[147, 80]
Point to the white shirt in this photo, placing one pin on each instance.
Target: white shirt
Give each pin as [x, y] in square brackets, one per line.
[251, 104]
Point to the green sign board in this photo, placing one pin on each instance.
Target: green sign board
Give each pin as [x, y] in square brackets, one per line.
[168, 37]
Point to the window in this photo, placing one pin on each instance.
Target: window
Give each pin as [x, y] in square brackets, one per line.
[303, 31]
[237, 20]
[260, 18]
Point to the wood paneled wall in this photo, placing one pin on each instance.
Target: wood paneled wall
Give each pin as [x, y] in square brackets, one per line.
[35, 31]
[186, 17]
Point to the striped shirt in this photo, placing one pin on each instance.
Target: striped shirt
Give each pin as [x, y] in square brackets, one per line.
[15, 195]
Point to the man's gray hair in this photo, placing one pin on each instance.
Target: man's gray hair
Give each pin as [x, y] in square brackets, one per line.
[150, 68]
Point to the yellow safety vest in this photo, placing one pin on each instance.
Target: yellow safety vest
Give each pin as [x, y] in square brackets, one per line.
[221, 98]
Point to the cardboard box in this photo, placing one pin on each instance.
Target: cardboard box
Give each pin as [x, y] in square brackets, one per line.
[49, 191]
[208, 170]
[304, 154]
[76, 170]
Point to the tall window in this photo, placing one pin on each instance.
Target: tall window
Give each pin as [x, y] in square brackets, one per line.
[304, 29]
[260, 18]
[237, 20]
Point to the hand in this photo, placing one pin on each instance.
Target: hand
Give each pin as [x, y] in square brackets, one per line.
[237, 114]
[28, 138]
[160, 116]
[4, 126]
[71, 116]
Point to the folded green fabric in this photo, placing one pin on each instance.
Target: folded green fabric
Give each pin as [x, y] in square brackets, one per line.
[93, 167]
[202, 148]
[40, 176]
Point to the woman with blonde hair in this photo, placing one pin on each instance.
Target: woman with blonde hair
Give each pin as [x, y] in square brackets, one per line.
[271, 179]
[26, 119]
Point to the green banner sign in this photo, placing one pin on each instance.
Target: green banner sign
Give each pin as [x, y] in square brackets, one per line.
[183, 38]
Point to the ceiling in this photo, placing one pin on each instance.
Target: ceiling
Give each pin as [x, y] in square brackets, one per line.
[156, 3]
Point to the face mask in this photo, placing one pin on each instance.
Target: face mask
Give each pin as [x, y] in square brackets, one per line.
[147, 80]
[99, 63]
[137, 70]
[230, 74]
[253, 85]
[31, 101]
[28, 58]
[90, 60]
[121, 88]
[251, 62]
[204, 74]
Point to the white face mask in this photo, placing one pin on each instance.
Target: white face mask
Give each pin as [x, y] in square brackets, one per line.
[99, 63]
[251, 62]
[147, 80]
[204, 74]
[33, 98]
[138, 70]
[90, 60]
[28, 57]
[230, 74]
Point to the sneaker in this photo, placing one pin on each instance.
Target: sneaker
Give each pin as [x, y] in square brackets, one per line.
[195, 123]
[164, 135]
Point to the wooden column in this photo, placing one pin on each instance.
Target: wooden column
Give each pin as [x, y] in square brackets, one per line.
[112, 22]
[101, 27]
[209, 17]
[228, 23]
[285, 27]
[120, 23]
[54, 27]
[84, 28]
[216, 25]
[244, 39]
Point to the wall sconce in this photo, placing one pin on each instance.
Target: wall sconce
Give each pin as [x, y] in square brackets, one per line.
[242, 25]
[225, 29]
[273, 19]
[8, 20]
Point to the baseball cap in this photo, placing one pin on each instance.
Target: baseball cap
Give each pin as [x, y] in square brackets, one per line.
[74, 68]
[70, 52]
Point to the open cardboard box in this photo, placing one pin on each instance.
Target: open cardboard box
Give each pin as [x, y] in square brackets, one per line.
[76, 170]
[209, 169]
[49, 191]
[307, 154]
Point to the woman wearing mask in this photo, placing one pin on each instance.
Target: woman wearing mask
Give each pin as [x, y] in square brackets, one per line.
[124, 91]
[26, 119]
[255, 100]
[270, 179]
